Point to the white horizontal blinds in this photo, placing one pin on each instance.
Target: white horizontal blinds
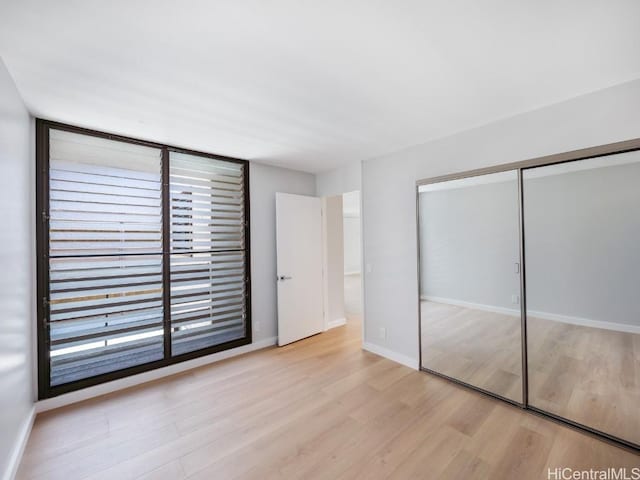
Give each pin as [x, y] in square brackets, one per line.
[104, 196]
[208, 291]
[207, 299]
[105, 249]
[207, 204]
[105, 314]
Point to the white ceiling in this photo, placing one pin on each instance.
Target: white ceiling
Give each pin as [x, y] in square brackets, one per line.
[310, 84]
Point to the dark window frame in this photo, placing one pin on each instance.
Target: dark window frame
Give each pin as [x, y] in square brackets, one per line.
[45, 390]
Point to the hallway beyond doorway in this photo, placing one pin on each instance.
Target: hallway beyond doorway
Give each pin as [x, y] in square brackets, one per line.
[352, 295]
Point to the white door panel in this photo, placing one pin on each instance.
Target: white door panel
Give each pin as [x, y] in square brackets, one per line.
[299, 262]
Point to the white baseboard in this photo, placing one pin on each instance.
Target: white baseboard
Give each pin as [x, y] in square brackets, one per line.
[513, 312]
[21, 443]
[584, 322]
[338, 322]
[391, 355]
[122, 383]
[356, 272]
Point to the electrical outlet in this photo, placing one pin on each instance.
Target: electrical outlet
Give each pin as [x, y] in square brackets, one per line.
[257, 326]
[369, 268]
[515, 299]
[382, 333]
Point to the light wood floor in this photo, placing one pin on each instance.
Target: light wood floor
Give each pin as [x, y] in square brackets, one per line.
[319, 408]
[588, 375]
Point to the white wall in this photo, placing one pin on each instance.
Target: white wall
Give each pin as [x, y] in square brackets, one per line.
[17, 255]
[333, 261]
[389, 198]
[265, 181]
[341, 180]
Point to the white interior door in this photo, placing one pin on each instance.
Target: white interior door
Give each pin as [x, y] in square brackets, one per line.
[299, 253]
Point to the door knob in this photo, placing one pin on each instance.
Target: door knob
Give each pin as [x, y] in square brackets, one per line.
[283, 277]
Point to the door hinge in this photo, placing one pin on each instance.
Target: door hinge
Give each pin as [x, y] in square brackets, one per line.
[45, 302]
[45, 217]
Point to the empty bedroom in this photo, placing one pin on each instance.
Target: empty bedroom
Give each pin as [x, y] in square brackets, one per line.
[286, 239]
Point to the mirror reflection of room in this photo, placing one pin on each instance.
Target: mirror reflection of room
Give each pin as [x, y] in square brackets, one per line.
[582, 227]
[470, 282]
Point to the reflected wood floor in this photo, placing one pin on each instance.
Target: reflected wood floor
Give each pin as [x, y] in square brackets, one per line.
[320, 408]
[478, 347]
[589, 375]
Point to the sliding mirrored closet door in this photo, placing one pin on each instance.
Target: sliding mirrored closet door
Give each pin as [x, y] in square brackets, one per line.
[469, 247]
[582, 253]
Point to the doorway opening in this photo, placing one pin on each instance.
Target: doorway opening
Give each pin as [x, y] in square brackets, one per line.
[352, 248]
[342, 262]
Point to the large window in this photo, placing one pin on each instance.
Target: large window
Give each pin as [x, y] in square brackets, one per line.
[142, 256]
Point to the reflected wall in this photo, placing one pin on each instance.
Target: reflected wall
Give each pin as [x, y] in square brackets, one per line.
[470, 284]
[582, 253]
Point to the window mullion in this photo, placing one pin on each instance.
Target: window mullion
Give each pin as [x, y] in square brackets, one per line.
[166, 253]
